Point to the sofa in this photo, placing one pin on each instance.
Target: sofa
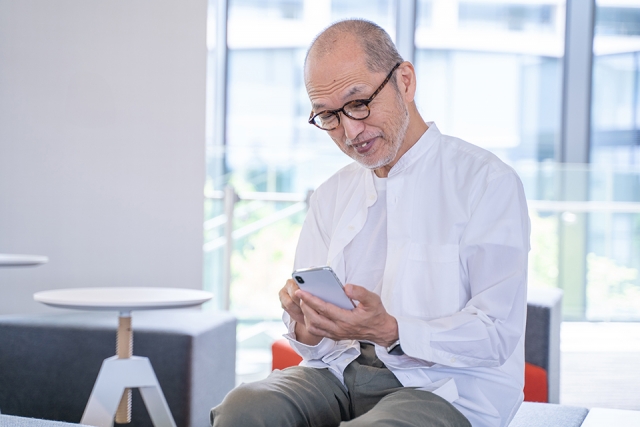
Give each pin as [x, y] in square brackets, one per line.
[49, 362]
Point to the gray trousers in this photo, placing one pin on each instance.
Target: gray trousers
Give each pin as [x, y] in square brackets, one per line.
[299, 396]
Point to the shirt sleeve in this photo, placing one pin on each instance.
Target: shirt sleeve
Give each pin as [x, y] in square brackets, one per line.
[494, 249]
[312, 251]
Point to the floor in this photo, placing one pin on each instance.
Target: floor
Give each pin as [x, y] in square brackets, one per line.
[600, 365]
[600, 362]
[253, 360]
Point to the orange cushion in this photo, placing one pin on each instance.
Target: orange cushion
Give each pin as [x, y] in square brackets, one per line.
[283, 355]
[536, 387]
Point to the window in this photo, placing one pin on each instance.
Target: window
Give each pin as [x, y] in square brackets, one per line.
[613, 282]
[490, 72]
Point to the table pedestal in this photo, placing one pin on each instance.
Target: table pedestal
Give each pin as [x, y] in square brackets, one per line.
[111, 394]
[115, 376]
[124, 350]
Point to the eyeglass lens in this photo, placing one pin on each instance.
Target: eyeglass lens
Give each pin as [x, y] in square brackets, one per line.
[357, 110]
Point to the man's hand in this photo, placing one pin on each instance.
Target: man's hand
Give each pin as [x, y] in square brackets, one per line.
[368, 321]
[290, 302]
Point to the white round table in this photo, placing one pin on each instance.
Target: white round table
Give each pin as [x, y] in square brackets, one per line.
[122, 299]
[111, 395]
[16, 260]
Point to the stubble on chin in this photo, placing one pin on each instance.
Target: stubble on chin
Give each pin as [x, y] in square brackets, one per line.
[391, 143]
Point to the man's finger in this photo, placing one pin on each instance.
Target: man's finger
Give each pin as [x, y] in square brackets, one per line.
[322, 307]
[360, 294]
[291, 286]
[315, 322]
[290, 305]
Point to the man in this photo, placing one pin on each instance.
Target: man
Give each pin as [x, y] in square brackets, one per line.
[431, 235]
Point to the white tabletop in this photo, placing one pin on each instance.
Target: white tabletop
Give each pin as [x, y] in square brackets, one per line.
[600, 417]
[16, 260]
[122, 299]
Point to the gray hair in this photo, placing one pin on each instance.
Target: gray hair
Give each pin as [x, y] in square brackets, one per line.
[380, 52]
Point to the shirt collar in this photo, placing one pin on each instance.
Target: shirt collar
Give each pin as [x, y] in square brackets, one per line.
[420, 148]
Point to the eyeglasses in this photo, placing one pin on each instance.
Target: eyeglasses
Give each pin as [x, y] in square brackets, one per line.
[358, 109]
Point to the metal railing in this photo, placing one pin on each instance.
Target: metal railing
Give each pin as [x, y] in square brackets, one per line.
[230, 199]
[298, 202]
[583, 206]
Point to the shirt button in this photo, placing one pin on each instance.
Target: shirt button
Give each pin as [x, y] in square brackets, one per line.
[372, 197]
[452, 360]
[350, 227]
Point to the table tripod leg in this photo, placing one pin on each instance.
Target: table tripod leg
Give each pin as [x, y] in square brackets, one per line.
[157, 407]
[117, 374]
[124, 350]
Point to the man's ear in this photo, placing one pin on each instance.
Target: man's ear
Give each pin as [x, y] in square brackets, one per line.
[406, 79]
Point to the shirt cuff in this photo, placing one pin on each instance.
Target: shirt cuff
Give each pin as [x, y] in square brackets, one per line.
[415, 338]
[307, 352]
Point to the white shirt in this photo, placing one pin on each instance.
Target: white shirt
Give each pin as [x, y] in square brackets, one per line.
[454, 277]
[366, 254]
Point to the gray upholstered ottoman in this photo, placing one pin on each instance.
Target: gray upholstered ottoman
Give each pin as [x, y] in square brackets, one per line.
[532, 414]
[11, 421]
[49, 363]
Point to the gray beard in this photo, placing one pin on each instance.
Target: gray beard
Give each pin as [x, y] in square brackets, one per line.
[394, 143]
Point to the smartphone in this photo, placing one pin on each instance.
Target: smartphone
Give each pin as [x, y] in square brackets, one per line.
[323, 283]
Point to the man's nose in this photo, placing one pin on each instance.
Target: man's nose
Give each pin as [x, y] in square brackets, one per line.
[352, 128]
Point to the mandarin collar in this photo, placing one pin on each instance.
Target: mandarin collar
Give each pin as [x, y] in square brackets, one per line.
[419, 149]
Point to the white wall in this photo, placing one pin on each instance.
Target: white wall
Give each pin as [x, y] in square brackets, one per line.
[102, 119]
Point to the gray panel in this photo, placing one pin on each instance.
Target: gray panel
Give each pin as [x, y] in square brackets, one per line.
[49, 363]
[537, 334]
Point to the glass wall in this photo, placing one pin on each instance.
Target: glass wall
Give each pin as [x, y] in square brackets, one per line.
[489, 71]
[588, 246]
[613, 282]
[615, 117]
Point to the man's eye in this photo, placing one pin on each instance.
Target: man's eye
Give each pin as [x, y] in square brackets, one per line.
[326, 117]
[357, 105]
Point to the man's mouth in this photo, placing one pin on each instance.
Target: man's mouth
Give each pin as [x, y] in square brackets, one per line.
[364, 146]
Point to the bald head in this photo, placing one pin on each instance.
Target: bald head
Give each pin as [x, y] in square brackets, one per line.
[368, 39]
